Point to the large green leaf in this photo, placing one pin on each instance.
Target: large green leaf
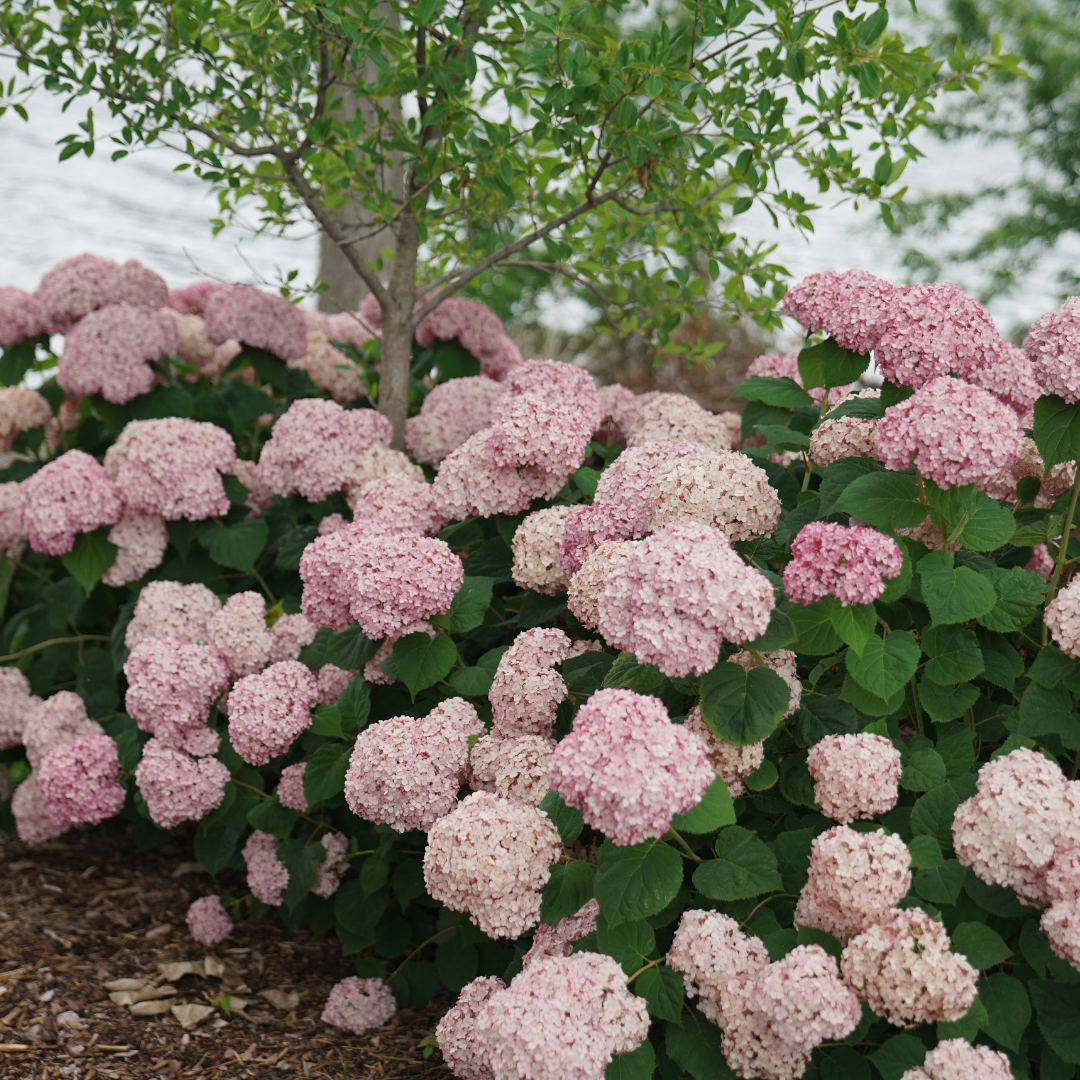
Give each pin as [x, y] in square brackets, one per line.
[945, 703]
[469, 606]
[1057, 430]
[354, 705]
[1007, 1007]
[744, 867]
[933, 812]
[889, 500]
[854, 623]
[663, 992]
[782, 392]
[814, 628]
[953, 594]
[694, 1044]
[923, 771]
[568, 890]
[325, 772]
[981, 945]
[1018, 593]
[235, 546]
[567, 819]
[954, 654]
[628, 942]
[638, 1064]
[988, 524]
[423, 661]
[896, 1055]
[741, 706]
[779, 634]
[713, 812]
[300, 859]
[627, 674]
[91, 556]
[1044, 711]
[827, 364]
[636, 881]
[1057, 1008]
[886, 664]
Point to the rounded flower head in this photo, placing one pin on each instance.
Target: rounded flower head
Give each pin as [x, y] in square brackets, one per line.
[290, 789]
[72, 494]
[583, 597]
[456, 1031]
[1053, 346]
[20, 409]
[178, 787]
[194, 347]
[555, 380]
[855, 881]
[170, 609]
[450, 414]
[957, 433]
[478, 330]
[208, 922]
[855, 776]
[845, 436]
[526, 691]
[586, 527]
[315, 446]
[542, 432]
[54, 722]
[333, 680]
[16, 700]
[20, 317]
[629, 478]
[32, 822]
[358, 1005]
[239, 634]
[1061, 924]
[847, 562]
[726, 490]
[491, 857]
[75, 287]
[141, 541]
[558, 940]
[536, 547]
[732, 763]
[324, 568]
[267, 875]
[399, 502]
[515, 768]
[679, 595]
[270, 711]
[847, 306]
[405, 772]
[675, 417]
[957, 1059]
[1011, 379]
[329, 368]
[12, 533]
[376, 463]
[328, 872]
[78, 780]
[289, 636]
[1063, 619]
[904, 969]
[621, 407]
[257, 319]
[628, 768]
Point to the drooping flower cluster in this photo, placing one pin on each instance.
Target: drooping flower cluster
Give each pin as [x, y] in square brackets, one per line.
[847, 562]
[32, 822]
[290, 789]
[268, 712]
[478, 330]
[558, 940]
[957, 1059]
[54, 722]
[267, 875]
[514, 767]
[78, 780]
[178, 787]
[256, 318]
[855, 776]
[583, 597]
[328, 872]
[141, 541]
[208, 922]
[848, 306]
[536, 546]
[456, 1031]
[358, 1005]
[526, 690]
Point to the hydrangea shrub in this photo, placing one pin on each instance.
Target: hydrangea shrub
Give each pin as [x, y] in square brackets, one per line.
[667, 744]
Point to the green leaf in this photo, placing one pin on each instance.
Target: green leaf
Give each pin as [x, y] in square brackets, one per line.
[859, 408]
[422, 661]
[293, 545]
[933, 812]
[945, 703]
[472, 681]
[268, 815]
[982, 946]
[783, 438]
[741, 706]
[1018, 594]
[781, 392]
[1058, 1010]
[1007, 1007]
[954, 654]
[763, 777]
[888, 500]
[130, 749]
[867, 703]
[896, 1055]
[17, 360]
[923, 771]
[638, 1064]
[565, 818]
[663, 992]
[568, 890]
[469, 606]
[744, 867]
[300, 859]
[585, 674]
[954, 594]
[854, 623]
[627, 673]
[1057, 430]
[235, 546]
[636, 881]
[996, 899]
[843, 1063]
[91, 556]
[354, 705]
[779, 634]
[586, 479]
[796, 784]
[214, 846]
[989, 525]
[457, 963]
[840, 474]
[695, 1046]
[408, 882]
[261, 12]
[539, 610]
[808, 935]
[940, 884]
[886, 664]
[967, 1027]
[1044, 711]
[95, 682]
[958, 753]
[814, 629]
[713, 812]
[829, 365]
[1050, 666]
[324, 776]
[629, 942]
[326, 722]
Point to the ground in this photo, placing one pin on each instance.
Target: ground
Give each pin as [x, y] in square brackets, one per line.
[77, 914]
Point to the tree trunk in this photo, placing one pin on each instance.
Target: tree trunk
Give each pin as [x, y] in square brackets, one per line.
[397, 328]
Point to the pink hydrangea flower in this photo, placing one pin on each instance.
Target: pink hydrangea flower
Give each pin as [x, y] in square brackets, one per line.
[171, 688]
[75, 287]
[677, 418]
[1024, 814]
[315, 445]
[478, 329]
[329, 368]
[78, 780]
[141, 541]
[848, 306]
[1062, 617]
[12, 533]
[733, 764]
[491, 857]
[359, 1005]
[905, 970]
[324, 569]
[1061, 924]
[399, 502]
[583, 597]
[847, 562]
[32, 822]
[239, 634]
[208, 922]
[542, 432]
[526, 691]
[405, 772]
[709, 950]
[256, 318]
[786, 366]
[723, 489]
[328, 872]
[194, 347]
[456, 1031]
[556, 380]
[332, 681]
[170, 609]
[558, 940]
[628, 768]
[1053, 345]
[178, 787]
[270, 711]
[957, 1059]
[515, 768]
[1011, 379]
[72, 494]
[562, 1018]
[845, 436]
[855, 776]
[20, 317]
[193, 298]
[855, 881]
[586, 527]
[54, 722]
[1041, 563]
[16, 701]
[20, 410]
[536, 547]
[679, 595]
[450, 414]
[628, 480]
[289, 636]
[957, 433]
[376, 463]
[1063, 877]
[290, 789]
[267, 875]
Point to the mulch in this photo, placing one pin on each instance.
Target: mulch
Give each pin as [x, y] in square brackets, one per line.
[77, 914]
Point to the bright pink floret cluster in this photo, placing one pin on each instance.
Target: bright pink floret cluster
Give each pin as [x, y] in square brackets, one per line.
[20, 317]
[78, 780]
[538, 431]
[526, 690]
[1011, 379]
[267, 875]
[847, 562]
[450, 414]
[75, 287]
[270, 711]
[170, 609]
[855, 776]
[178, 787]
[256, 318]
[1053, 345]
[1062, 618]
[208, 922]
[847, 306]
[399, 502]
[358, 1005]
[957, 1059]
[588, 526]
[54, 722]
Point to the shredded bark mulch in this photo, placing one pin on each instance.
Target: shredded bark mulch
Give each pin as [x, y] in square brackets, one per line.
[78, 916]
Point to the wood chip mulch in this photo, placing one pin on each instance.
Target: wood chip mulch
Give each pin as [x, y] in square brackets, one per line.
[77, 914]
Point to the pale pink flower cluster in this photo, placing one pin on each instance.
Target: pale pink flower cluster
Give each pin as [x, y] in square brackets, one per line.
[855, 776]
[1062, 617]
[32, 822]
[358, 1005]
[536, 546]
[562, 1018]
[75, 287]
[16, 700]
[20, 316]
[783, 662]
[775, 1017]
[537, 430]
[855, 881]
[1010, 377]
[170, 609]
[526, 691]
[629, 478]
[290, 789]
[78, 780]
[256, 318]
[328, 872]
[315, 445]
[1053, 345]
[456, 1031]
[849, 562]
[268, 712]
[239, 634]
[72, 494]
[329, 368]
[289, 636]
[845, 436]
[376, 463]
[141, 542]
[192, 299]
[904, 968]
[324, 569]
[583, 597]
[178, 787]
[847, 306]
[332, 680]
[677, 418]
[586, 527]
[1025, 814]
[1058, 480]
[20, 410]
[196, 349]
[957, 1059]
[208, 922]
[621, 407]
[558, 940]
[723, 489]
[405, 772]
[54, 722]
[679, 595]
[732, 763]
[1041, 563]
[555, 380]
[267, 875]
[1061, 924]
[400, 502]
[628, 768]
[709, 950]
[491, 857]
[12, 534]
[450, 414]
[479, 331]
[515, 767]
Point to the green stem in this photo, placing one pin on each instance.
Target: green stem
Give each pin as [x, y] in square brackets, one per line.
[262, 584]
[1063, 546]
[687, 849]
[233, 903]
[641, 970]
[53, 641]
[768, 899]
[809, 460]
[918, 704]
[422, 945]
[264, 796]
[1076, 766]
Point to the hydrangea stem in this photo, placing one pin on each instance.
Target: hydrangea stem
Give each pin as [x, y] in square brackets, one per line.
[79, 639]
[641, 970]
[1063, 545]
[687, 849]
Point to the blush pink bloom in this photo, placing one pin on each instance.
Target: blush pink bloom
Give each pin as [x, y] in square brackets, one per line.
[328, 872]
[20, 317]
[54, 722]
[72, 494]
[208, 922]
[399, 502]
[677, 418]
[359, 1005]
[21, 410]
[194, 347]
[526, 690]
[845, 436]
[848, 306]
[491, 857]
[849, 563]
[32, 822]
[324, 569]
[450, 414]
[333, 680]
[376, 463]
[543, 432]
[267, 875]
[329, 368]
[256, 318]
[78, 780]
[12, 534]
[732, 763]
[192, 299]
[1011, 379]
[141, 541]
[170, 609]
[178, 787]
[289, 636]
[515, 768]
[536, 545]
[586, 527]
[16, 700]
[75, 287]
[786, 366]
[628, 768]
[270, 711]
[905, 970]
[679, 595]
[290, 789]
[629, 479]
[583, 596]
[478, 330]
[239, 634]
[855, 776]
[957, 1059]
[1053, 346]
[456, 1031]
[556, 380]
[1062, 617]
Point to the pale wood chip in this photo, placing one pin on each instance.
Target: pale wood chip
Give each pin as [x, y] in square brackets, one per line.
[150, 1008]
[280, 999]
